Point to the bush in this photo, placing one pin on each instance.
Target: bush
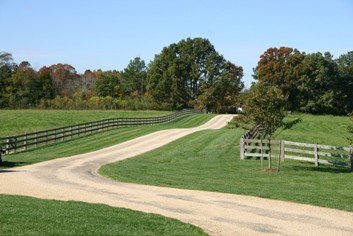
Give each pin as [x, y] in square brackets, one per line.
[107, 103]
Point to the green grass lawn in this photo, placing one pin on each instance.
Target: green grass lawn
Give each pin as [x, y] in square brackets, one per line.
[13, 122]
[322, 129]
[90, 143]
[209, 160]
[31, 216]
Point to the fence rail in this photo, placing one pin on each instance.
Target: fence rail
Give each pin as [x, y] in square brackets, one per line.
[12, 144]
[307, 152]
[253, 132]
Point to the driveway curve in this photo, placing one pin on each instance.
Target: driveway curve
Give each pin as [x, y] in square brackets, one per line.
[76, 178]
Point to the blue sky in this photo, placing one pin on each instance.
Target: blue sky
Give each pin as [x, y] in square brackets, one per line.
[107, 34]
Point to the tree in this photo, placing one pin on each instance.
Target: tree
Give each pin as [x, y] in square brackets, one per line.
[46, 89]
[134, 77]
[23, 86]
[221, 96]
[87, 82]
[265, 107]
[65, 78]
[187, 71]
[281, 67]
[320, 88]
[5, 58]
[345, 69]
[107, 83]
[312, 82]
[7, 68]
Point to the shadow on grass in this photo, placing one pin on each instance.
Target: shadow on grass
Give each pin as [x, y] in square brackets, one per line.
[9, 164]
[326, 169]
[290, 124]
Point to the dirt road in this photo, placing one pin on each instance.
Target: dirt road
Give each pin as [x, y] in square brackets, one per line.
[76, 178]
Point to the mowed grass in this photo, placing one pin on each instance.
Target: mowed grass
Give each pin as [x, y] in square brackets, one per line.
[209, 160]
[97, 141]
[322, 129]
[31, 216]
[14, 122]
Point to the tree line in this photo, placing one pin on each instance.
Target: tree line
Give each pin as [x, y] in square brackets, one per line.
[190, 73]
[60, 86]
[312, 83]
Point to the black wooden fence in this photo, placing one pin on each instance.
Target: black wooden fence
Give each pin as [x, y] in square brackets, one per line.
[12, 144]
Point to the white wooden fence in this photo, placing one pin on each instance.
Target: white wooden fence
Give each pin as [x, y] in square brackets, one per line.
[307, 152]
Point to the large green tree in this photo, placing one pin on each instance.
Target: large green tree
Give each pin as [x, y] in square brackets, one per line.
[134, 77]
[221, 95]
[187, 72]
[107, 83]
[320, 88]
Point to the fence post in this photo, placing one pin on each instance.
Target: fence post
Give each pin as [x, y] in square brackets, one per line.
[25, 142]
[316, 156]
[262, 155]
[241, 148]
[14, 140]
[282, 150]
[279, 156]
[7, 146]
[62, 134]
[269, 154]
[35, 140]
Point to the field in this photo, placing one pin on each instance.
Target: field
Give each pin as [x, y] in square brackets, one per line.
[209, 160]
[58, 218]
[90, 143]
[31, 216]
[322, 129]
[14, 122]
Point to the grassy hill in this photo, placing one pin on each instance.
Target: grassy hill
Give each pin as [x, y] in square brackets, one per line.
[322, 129]
[14, 122]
